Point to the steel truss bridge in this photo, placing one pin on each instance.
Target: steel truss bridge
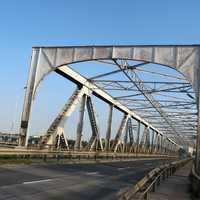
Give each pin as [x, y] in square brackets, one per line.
[160, 114]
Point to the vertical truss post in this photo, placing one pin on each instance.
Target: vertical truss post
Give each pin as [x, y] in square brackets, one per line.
[28, 98]
[131, 137]
[80, 123]
[165, 145]
[126, 137]
[109, 128]
[148, 143]
[152, 141]
[161, 144]
[156, 142]
[143, 140]
[169, 148]
[138, 137]
[117, 141]
[95, 141]
[172, 148]
[175, 149]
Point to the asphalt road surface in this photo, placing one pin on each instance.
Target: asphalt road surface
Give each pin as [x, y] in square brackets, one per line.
[71, 181]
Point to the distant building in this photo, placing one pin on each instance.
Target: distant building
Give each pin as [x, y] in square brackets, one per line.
[8, 137]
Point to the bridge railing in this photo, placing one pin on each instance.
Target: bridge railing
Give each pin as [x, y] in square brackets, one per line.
[46, 155]
[195, 182]
[153, 179]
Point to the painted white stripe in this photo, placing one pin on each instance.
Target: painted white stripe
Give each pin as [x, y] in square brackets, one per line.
[123, 168]
[92, 173]
[39, 181]
[148, 164]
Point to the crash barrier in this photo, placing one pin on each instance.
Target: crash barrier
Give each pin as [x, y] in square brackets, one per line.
[195, 182]
[152, 180]
[46, 155]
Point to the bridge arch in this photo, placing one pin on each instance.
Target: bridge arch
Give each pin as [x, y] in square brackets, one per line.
[184, 58]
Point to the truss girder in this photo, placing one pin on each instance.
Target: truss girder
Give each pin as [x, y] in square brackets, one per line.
[80, 80]
[184, 58]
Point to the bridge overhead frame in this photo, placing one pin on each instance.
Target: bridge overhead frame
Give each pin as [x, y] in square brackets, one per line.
[84, 93]
[183, 58]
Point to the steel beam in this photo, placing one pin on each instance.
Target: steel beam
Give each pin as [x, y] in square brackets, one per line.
[95, 140]
[79, 131]
[28, 98]
[109, 128]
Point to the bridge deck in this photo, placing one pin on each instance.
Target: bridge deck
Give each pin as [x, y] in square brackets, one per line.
[71, 181]
[176, 187]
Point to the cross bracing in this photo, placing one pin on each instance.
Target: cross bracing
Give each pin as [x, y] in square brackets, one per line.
[173, 83]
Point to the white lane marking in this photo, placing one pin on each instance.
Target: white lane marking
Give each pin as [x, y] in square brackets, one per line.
[123, 168]
[92, 173]
[148, 164]
[39, 181]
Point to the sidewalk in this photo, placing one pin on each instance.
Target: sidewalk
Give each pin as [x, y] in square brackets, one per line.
[175, 187]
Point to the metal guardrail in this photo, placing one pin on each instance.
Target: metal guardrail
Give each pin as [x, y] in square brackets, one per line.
[195, 182]
[153, 179]
[79, 155]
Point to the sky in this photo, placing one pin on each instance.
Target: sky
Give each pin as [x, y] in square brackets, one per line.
[24, 24]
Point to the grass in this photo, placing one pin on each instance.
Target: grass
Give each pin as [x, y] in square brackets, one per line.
[10, 159]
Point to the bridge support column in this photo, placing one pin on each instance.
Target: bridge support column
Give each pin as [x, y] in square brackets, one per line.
[28, 98]
[80, 123]
[109, 128]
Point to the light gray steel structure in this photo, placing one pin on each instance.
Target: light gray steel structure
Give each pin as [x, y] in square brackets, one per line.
[183, 58]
